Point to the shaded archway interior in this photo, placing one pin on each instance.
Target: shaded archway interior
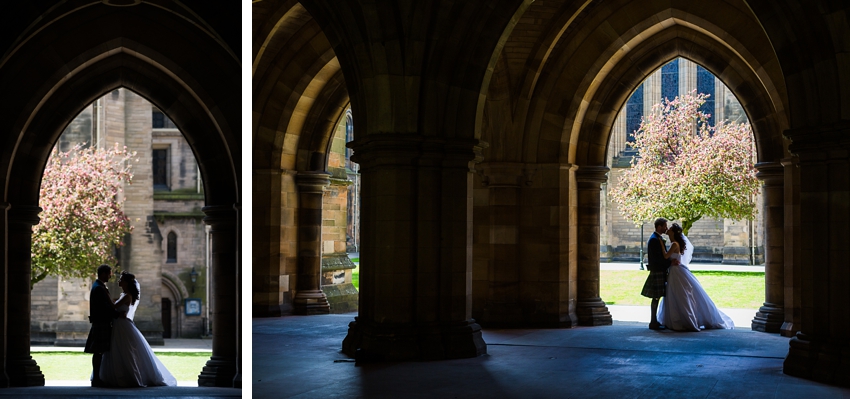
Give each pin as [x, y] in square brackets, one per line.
[61, 57]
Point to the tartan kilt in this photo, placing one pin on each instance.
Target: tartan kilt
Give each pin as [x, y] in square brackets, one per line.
[99, 338]
[654, 287]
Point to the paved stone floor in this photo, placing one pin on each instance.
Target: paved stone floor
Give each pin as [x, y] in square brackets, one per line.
[89, 392]
[298, 356]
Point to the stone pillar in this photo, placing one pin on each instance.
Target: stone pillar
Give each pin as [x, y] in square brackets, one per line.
[793, 254]
[503, 298]
[590, 309]
[771, 315]
[267, 263]
[221, 369]
[20, 366]
[820, 350]
[309, 297]
[4, 308]
[415, 258]
[237, 380]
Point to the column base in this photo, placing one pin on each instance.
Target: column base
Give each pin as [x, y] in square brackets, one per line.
[307, 302]
[218, 372]
[769, 318]
[593, 312]
[373, 342]
[24, 372]
[818, 360]
[788, 329]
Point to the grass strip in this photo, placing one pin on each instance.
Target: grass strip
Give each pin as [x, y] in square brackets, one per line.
[76, 366]
[738, 290]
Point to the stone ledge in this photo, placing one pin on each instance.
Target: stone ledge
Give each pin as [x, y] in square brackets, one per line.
[337, 261]
[177, 196]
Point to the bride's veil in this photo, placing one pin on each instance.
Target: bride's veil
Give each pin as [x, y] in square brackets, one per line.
[132, 311]
[689, 251]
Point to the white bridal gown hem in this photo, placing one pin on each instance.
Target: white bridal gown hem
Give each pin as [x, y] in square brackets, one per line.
[130, 361]
[686, 306]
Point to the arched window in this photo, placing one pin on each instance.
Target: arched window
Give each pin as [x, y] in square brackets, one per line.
[171, 252]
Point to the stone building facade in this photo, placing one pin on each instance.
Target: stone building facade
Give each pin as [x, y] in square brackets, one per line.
[168, 247]
[339, 221]
[715, 240]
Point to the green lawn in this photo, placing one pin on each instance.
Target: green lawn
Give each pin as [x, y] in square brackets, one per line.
[355, 274]
[741, 290]
[738, 290]
[76, 366]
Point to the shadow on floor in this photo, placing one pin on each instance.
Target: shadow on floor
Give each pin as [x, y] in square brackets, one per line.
[299, 356]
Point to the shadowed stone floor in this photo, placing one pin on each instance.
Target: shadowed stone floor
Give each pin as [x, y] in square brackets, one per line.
[89, 392]
[299, 356]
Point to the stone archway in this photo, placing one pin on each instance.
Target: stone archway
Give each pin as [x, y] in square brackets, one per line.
[541, 83]
[66, 56]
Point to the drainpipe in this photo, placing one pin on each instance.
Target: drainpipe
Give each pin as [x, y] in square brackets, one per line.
[207, 255]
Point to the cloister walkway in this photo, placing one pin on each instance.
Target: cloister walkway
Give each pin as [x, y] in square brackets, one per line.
[299, 356]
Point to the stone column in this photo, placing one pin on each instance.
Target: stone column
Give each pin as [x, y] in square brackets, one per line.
[771, 315]
[221, 369]
[502, 305]
[237, 380]
[415, 258]
[793, 254]
[267, 263]
[590, 309]
[820, 350]
[20, 366]
[309, 297]
[4, 327]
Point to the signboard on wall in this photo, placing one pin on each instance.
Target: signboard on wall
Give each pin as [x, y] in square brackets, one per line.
[192, 306]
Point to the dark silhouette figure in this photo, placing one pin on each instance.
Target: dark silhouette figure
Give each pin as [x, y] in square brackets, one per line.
[101, 314]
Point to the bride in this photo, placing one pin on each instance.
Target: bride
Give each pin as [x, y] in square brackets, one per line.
[130, 361]
[687, 307]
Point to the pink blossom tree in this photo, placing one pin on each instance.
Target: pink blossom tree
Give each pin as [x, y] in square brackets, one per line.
[686, 169]
[81, 222]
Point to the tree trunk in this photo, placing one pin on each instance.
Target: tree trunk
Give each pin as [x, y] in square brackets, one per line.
[687, 223]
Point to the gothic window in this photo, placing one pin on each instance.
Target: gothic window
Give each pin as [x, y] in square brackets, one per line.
[670, 80]
[705, 84]
[349, 136]
[171, 252]
[160, 169]
[161, 121]
[634, 111]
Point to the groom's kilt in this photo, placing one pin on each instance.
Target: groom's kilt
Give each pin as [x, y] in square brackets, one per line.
[99, 338]
[654, 287]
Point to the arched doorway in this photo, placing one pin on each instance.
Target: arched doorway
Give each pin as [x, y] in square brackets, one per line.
[170, 68]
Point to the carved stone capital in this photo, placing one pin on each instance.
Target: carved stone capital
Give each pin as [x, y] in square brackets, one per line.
[591, 177]
[403, 149]
[23, 216]
[816, 142]
[220, 217]
[312, 181]
[770, 173]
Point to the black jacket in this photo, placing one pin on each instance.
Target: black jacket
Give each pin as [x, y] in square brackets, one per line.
[656, 263]
[100, 304]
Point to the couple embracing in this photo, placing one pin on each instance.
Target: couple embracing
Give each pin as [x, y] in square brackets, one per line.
[686, 305]
[121, 356]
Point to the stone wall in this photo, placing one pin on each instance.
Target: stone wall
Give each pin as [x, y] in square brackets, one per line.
[336, 266]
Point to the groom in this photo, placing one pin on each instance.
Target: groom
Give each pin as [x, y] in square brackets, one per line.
[655, 286]
[101, 314]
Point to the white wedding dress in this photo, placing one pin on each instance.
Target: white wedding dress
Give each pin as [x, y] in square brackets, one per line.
[686, 306]
[130, 361]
